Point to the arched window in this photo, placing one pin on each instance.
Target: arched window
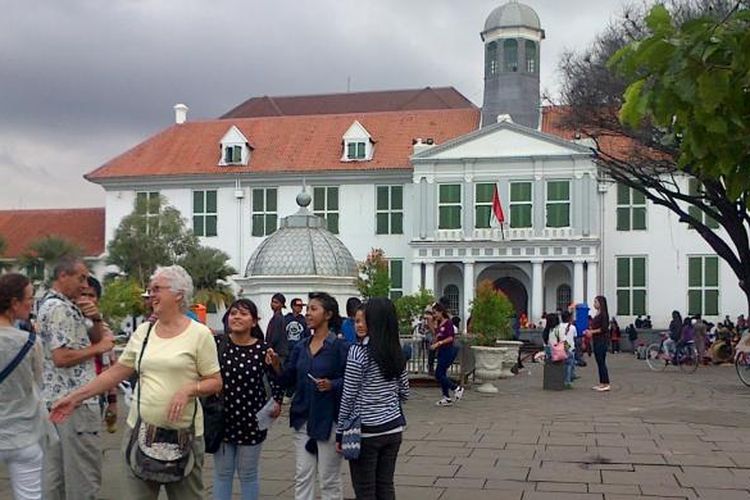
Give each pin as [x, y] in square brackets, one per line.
[531, 58]
[491, 59]
[510, 53]
[563, 297]
[450, 293]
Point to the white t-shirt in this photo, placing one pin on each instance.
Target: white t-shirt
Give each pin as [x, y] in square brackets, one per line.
[564, 332]
[169, 364]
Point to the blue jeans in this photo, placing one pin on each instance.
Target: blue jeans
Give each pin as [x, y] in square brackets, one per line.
[242, 458]
[570, 365]
[445, 357]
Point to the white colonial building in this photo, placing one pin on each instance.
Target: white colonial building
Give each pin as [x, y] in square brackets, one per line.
[413, 172]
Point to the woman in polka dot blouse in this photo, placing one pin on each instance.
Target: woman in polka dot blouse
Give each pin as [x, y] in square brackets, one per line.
[242, 354]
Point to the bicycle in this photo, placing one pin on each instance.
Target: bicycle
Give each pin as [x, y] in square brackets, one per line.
[742, 365]
[685, 356]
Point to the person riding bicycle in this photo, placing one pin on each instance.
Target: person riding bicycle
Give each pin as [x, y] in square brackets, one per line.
[675, 332]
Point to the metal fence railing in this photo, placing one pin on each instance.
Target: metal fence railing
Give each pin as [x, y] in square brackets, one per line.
[419, 360]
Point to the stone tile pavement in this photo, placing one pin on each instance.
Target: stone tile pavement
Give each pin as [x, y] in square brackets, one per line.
[656, 435]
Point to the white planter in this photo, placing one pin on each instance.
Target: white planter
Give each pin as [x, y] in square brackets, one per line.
[511, 356]
[488, 366]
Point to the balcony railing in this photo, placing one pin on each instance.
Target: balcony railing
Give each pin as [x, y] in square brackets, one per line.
[510, 234]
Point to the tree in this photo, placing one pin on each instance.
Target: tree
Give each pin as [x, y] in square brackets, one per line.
[209, 270]
[43, 253]
[154, 234]
[491, 313]
[411, 307]
[374, 279]
[121, 298]
[663, 95]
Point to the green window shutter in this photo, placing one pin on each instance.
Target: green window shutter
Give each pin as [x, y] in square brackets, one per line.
[397, 223]
[382, 198]
[211, 223]
[198, 207]
[623, 272]
[558, 214]
[319, 198]
[695, 213]
[623, 302]
[333, 198]
[695, 302]
[695, 271]
[351, 150]
[520, 191]
[450, 193]
[639, 271]
[558, 191]
[270, 224]
[623, 194]
[638, 197]
[711, 222]
[228, 154]
[258, 225]
[639, 302]
[381, 223]
[520, 216]
[271, 204]
[623, 219]
[397, 274]
[693, 186]
[711, 303]
[397, 198]
[639, 218]
[360, 150]
[333, 223]
[450, 218]
[198, 225]
[711, 271]
[211, 202]
[484, 193]
[482, 217]
[258, 200]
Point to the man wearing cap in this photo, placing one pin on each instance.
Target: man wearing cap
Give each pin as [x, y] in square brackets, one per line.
[276, 331]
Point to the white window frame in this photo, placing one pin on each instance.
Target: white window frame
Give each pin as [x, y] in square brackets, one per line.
[389, 211]
[530, 203]
[631, 288]
[205, 214]
[149, 215]
[548, 202]
[396, 291]
[265, 212]
[703, 288]
[459, 204]
[326, 212]
[630, 206]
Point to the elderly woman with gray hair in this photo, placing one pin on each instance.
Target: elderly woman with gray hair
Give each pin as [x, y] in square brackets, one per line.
[176, 362]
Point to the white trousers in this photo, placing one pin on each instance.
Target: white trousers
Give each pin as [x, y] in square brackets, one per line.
[25, 468]
[327, 464]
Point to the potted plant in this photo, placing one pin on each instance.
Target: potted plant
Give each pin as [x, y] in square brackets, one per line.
[495, 352]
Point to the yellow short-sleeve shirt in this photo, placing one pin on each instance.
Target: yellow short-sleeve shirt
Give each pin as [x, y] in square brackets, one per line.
[168, 365]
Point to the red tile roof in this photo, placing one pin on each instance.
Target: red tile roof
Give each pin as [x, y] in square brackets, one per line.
[82, 226]
[352, 102]
[287, 144]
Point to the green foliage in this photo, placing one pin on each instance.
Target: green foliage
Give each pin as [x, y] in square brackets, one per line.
[491, 313]
[142, 242]
[121, 298]
[691, 80]
[374, 279]
[410, 308]
[209, 269]
[46, 251]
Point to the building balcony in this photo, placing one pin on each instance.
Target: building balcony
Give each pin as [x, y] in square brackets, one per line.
[511, 234]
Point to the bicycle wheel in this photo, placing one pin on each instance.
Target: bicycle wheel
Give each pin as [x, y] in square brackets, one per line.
[688, 358]
[655, 358]
[742, 365]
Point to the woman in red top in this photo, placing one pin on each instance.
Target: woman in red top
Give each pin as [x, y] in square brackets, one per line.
[599, 332]
[445, 334]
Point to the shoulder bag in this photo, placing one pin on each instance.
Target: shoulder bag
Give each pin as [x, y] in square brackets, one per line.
[156, 453]
[559, 353]
[213, 410]
[351, 435]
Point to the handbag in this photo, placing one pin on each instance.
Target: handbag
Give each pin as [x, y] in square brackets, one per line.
[559, 353]
[18, 357]
[213, 412]
[156, 453]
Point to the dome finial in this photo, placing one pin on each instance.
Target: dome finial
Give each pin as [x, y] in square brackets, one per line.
[303, 198]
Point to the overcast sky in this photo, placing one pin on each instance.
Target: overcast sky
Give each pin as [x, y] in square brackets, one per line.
[81, 81]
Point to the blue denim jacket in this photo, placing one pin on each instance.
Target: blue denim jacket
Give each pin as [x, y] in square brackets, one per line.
[318, 409]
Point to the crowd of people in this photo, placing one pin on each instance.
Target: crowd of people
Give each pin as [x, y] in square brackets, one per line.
[346, 387]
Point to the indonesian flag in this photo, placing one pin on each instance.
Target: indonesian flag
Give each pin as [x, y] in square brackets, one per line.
[498, 216]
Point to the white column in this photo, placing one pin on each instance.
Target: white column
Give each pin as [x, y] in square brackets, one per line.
[468, 288]
[416, 276]
[592, 283]
[429, 278]
[578, 282]
[537, 291]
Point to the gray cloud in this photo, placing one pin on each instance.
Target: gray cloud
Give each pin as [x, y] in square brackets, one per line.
[83, 80]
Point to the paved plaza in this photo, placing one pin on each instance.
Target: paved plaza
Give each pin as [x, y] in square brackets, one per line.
[656, 435]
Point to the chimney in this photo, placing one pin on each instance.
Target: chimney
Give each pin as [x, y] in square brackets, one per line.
[420, 145]
[180, 113]
[504, 118]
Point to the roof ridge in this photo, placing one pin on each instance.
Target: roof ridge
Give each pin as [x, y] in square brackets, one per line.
[59, 209]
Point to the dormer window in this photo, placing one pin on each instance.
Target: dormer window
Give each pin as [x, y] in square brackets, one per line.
[235, 148]
[358, 144]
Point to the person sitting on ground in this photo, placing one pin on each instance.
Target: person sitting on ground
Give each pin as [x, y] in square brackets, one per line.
[638, 322]
[647, 323]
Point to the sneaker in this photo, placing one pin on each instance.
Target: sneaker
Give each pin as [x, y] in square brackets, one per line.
[444, 402]
[603, 388]
[596, 387]
[458, 393]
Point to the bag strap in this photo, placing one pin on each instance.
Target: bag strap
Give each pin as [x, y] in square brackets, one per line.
[18, 357]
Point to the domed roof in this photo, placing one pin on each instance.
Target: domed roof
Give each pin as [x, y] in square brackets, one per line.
[302, 246]
[512, 14]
